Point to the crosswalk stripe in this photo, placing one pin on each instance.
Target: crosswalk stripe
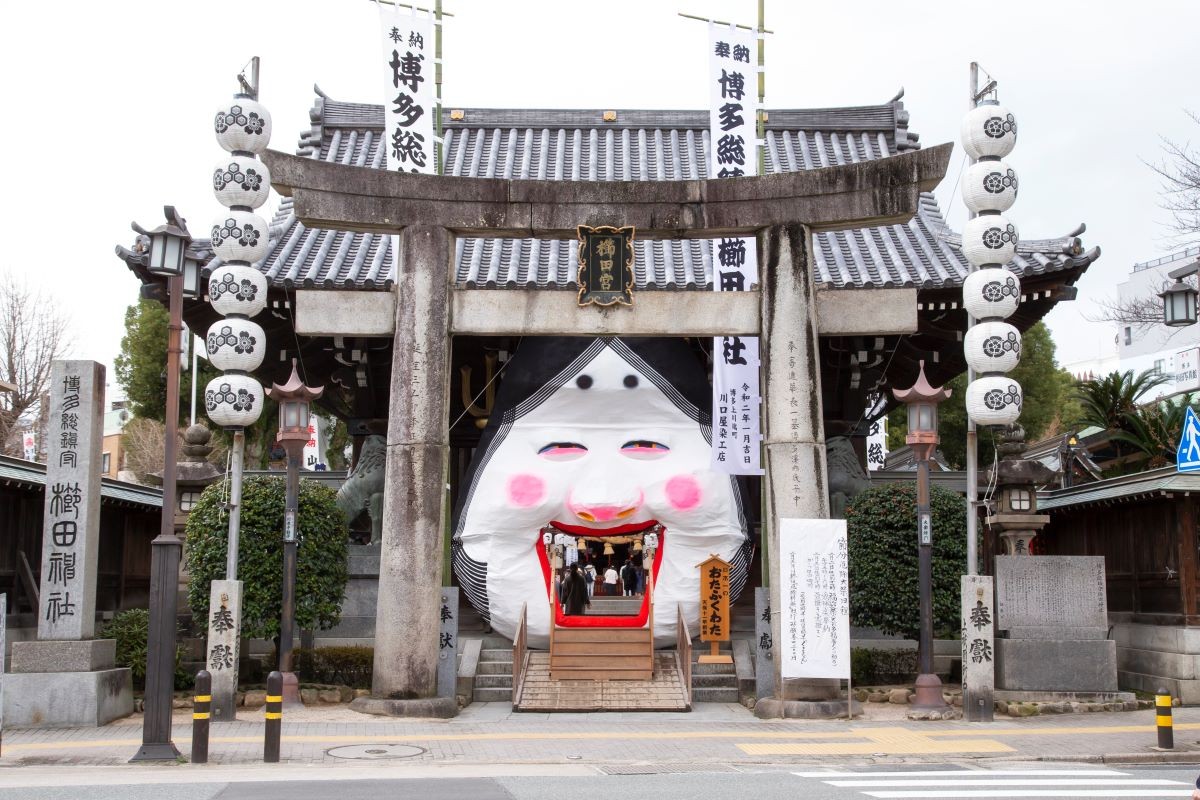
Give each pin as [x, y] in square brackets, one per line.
[982, 781]
[960, 794]
[947, 773]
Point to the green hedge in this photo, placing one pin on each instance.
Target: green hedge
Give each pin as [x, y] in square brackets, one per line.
[882, 532]
[869, 666]
[345, 666]
[321, 557]
[131, 630]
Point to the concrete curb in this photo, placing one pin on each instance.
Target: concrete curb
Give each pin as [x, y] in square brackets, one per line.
[1129, 758]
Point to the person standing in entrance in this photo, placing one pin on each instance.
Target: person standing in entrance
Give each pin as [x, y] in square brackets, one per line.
[589, 576]
[575, 593]
[629, 578]
[610, 581]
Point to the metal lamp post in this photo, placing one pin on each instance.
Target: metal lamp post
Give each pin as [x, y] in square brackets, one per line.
[294, 399]
[167, 258]
[922, 401]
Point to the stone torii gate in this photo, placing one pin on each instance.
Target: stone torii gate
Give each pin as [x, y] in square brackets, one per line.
[427, 212]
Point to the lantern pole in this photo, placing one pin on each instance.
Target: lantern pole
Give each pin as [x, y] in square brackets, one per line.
[972, 453]
[922, 438]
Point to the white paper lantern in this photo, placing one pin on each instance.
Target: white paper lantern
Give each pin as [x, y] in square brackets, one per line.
[991, 293]
[989, 239]
[241, 181]
[989, 130]
[236, 344]
[243, 126]
[991, 347]
[240, 236]
[233, 401]
[234, 289]
[994, 400]
[989, 186]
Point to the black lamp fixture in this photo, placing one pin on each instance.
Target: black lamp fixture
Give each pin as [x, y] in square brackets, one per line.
[1179, 299]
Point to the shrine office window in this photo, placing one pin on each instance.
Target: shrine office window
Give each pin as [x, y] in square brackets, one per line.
[105, 462]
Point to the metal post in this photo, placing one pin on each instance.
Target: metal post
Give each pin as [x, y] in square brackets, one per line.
[1166, 731]
[235, 504]
[291, 687]
[972, 459]
[164, 567]
[273, 714]
[201, 716]
[928, 685]
[195, 369]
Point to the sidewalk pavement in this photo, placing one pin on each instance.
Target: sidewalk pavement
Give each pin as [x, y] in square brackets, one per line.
[492, 734]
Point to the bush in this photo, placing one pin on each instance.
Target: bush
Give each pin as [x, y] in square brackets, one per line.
[882, 532]
[348, 666]
[321, 557]
[869, 666]
[131, 629]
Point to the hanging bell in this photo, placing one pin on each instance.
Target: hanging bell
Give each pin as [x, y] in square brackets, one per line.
[581, 545]
[637, 546]
[608, 548]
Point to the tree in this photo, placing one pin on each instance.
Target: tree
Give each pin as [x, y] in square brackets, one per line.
[1154, 430]
[1105, 401]
[1179, 195]
[33, 333]
[882, 539]
[1043, 385]
[141, 366]
[321, 558]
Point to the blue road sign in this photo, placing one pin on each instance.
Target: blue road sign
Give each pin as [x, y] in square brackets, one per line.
[1187, 456]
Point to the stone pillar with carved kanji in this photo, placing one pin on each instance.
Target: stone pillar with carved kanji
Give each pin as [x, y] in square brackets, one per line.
[66, 676]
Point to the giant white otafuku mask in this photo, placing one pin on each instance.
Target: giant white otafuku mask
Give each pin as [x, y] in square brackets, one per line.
[601, 445]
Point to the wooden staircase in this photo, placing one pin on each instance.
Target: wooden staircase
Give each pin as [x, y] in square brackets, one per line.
[600, 654]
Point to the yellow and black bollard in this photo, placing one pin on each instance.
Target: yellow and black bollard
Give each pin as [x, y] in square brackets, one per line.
[201, 712]
[1166, 733]
[274, 717]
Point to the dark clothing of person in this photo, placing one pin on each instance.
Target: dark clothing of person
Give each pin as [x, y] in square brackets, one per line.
[629, 579]
[575, 594]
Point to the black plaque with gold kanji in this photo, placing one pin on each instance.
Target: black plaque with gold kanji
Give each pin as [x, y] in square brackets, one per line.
[605, 265]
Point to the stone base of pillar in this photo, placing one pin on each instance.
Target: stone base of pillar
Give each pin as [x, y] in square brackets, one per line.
[67, 699]
[435, 707]
[810, 689]
[774, 708]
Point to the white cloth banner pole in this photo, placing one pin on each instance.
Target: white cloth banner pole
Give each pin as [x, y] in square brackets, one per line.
[733, 110]
[814, 593]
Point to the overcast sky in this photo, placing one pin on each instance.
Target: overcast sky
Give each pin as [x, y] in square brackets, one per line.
[110, 106]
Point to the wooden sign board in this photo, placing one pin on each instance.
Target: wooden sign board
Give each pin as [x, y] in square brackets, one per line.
[605, 265]
[714, 608]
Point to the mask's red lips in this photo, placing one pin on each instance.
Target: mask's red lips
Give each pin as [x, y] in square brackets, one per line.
[589, 621]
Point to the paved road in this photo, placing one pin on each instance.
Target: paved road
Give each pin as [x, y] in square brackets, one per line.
[714, 780]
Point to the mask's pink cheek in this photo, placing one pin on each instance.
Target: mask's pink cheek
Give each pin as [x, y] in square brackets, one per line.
[526, 490]
[683, 492]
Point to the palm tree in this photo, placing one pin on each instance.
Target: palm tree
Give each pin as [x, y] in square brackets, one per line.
[1107, 400]
[1154, 429]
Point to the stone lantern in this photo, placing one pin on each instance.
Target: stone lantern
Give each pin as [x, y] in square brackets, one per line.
[1016, 482]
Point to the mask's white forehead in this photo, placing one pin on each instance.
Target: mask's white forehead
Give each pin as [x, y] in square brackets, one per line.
[608, 391]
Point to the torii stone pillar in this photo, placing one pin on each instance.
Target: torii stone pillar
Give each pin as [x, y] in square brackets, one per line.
[429, 210]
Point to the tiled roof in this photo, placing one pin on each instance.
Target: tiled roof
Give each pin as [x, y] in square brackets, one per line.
[1156, 482]
[638, 145]
[33, 474]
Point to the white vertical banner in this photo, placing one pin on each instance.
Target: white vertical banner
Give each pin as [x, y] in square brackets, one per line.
[314, 448]
[814, 595]
[733, 111]
[877, 435]
[409, 103]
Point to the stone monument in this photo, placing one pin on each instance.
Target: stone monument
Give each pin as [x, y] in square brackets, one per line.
[67, 677]
[1052, 621]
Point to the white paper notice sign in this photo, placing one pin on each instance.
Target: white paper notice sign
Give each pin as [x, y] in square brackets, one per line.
[814, 595]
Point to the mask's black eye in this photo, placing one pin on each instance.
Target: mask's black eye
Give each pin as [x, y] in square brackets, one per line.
[644, 448]
[563, 451]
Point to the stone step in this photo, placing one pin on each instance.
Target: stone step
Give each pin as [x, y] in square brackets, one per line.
[496, 656]
[493, 682]
[494, 668]
[713, 695]
[714, 681]
[713, 669]
[492, 695]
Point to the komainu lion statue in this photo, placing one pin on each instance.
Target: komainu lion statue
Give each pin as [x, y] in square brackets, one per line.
[846, 474]
[364, 486]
